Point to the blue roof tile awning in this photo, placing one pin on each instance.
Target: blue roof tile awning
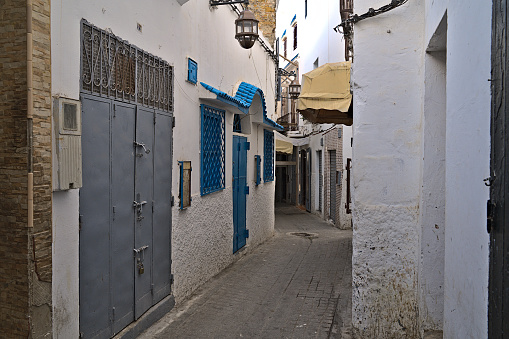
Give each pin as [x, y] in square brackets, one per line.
[243, 100]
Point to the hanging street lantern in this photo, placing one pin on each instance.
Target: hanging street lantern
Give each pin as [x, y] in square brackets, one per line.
[294, 88]
[246, 29]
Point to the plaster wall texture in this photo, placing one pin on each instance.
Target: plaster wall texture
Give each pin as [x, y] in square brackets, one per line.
[387, 89]
[65, 289]
[467, 163]
[432, 205]
[172, 32]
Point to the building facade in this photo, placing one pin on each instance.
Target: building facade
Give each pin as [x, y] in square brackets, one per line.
[138, 160]
[307, 41]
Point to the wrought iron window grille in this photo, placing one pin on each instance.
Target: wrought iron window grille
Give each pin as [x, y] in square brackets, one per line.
[268, 156]
[112, 67]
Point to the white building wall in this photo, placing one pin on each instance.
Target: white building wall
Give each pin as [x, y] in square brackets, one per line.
[467, 163]
[421, 152]
[387, 90]
[202, 235]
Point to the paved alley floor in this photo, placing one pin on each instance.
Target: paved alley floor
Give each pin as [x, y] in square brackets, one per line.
[295, 285]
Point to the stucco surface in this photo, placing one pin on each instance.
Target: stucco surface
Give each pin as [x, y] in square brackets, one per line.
[202, 239]
[385, 271]
[65, 290]
[387, 91]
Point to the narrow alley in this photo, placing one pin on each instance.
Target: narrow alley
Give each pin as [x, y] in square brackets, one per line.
[295, 285]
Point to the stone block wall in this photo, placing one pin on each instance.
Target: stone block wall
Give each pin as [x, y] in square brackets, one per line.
[14, 287]
[265, 12]
[25, 252]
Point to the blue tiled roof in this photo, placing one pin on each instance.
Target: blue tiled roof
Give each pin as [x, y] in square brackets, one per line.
[243, 100]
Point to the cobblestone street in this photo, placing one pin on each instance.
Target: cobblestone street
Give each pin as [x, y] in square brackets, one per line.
[296, 285]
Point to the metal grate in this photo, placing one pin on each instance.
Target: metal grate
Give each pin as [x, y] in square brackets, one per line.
[212, 149]
[268, 156]
[112, 67]
[237, 126]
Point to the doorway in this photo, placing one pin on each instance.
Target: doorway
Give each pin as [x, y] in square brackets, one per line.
[125, 218]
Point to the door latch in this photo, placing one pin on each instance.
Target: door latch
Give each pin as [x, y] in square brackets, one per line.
[139, 264]
[139, 144]
[139, 208]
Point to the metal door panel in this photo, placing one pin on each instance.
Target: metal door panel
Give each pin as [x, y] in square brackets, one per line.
[122, 197]
[144, 182]
[332, 174]
[239, 191]
[94, 267]
[162, 206]
[498, 207]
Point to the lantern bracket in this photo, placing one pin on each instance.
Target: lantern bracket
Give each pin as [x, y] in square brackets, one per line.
[227, 2]
[285, 73]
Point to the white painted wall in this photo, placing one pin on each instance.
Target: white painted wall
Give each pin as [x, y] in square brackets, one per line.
[65, 287]
[467, 163]
[421, 151]
[202, 235]
[387, 90]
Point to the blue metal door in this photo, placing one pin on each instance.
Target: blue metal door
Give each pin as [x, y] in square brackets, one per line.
[240, 190]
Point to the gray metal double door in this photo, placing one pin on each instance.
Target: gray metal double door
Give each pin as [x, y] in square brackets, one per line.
[125, 214]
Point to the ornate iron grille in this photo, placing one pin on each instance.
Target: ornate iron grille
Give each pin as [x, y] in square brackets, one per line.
[212, 149]
[237, 125]
[268, 155]
[112, 67]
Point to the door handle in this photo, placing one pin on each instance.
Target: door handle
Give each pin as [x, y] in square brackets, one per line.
[139, 144]
[139, 206]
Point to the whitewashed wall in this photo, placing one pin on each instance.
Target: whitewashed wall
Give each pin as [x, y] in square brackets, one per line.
[467, 163]
[387, 86]
[421, 151]
[173, 32]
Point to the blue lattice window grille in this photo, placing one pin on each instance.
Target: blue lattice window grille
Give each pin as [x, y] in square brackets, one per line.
[268, 155]
[237, 127]
[212, 150]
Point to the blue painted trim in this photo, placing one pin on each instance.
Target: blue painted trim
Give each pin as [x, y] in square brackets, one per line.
[293, 20]
[243, 100]
[192, 71]
[283, 34]
[203, 189]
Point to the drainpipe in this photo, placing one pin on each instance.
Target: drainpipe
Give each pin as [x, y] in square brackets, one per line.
[30, 108]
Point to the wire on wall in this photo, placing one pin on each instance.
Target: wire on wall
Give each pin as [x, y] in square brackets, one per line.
[346, 26]
[369, 14]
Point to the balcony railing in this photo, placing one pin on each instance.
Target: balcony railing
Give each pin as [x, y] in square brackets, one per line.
[289, 121]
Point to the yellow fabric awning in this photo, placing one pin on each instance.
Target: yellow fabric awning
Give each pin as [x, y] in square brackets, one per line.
[284, 146]
[325, 96]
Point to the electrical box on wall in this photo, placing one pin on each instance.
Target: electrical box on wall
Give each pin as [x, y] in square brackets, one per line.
[67, 115]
